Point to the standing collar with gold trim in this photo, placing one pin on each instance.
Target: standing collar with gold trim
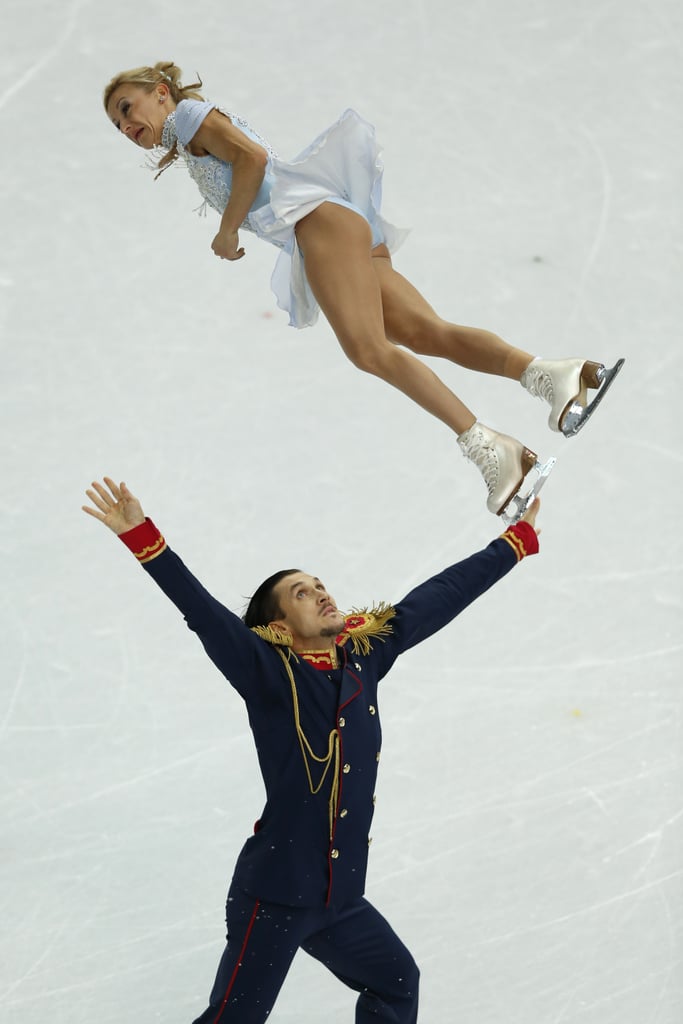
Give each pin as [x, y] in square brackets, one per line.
[324, 661]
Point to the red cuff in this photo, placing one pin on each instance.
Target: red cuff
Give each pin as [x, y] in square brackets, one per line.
[144, 541]
[522, 538]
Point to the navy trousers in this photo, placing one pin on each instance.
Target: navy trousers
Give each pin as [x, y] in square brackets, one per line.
[354, 942]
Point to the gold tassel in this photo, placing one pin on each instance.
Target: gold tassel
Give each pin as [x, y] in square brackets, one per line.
[375, 624]
[273, 636]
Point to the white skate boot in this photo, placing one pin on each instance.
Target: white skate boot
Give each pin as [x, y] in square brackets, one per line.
[504, 463]
[563, 383]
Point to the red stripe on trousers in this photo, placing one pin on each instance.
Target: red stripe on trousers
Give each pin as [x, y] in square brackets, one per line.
[239, 963]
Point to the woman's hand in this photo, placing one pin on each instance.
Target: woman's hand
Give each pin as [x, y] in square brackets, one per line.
[117, 508]
[226, 245]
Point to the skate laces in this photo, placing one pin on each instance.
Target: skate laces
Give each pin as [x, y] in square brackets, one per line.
[538, 383]
[477, 450]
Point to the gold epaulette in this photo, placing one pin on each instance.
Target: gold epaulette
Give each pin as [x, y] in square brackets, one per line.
[363, 624]
[273, 636]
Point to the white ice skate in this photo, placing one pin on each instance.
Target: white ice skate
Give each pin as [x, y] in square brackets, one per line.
[504, 464]
[564, 383]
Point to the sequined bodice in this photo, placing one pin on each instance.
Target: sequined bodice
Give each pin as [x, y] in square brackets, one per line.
[212, 176]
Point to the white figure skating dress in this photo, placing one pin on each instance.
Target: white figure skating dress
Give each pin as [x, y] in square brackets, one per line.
[343, 165]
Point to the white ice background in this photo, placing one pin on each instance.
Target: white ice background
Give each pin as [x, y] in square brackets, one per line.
[528, 834]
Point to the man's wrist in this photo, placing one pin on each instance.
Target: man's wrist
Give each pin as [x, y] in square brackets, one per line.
[522, 538]
[145, 541]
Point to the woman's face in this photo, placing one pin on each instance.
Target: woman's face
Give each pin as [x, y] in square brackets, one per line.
[140, 115]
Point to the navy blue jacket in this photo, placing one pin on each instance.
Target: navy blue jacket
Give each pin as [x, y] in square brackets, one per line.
[309, 850]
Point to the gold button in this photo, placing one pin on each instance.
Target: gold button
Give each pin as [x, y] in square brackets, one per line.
[334, 854]
[342, 722]
[374, 799]
[378, 755]
[346, 769]
[369, 840]
[343, 813]
[372, 709]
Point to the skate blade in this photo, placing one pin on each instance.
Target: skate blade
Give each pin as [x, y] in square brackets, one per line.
[578, 415]
[520, 503]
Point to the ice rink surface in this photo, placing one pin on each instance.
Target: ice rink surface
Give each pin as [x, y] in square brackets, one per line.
[528, 840]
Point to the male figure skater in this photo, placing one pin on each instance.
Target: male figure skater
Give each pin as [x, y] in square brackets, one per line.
[308, 674]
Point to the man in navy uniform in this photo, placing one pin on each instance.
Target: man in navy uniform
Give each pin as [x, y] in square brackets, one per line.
[308, 675]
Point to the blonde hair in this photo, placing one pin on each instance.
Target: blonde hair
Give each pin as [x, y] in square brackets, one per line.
[164, 72]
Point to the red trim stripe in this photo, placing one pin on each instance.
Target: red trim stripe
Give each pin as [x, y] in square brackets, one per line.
[353, 695]
[239, 962]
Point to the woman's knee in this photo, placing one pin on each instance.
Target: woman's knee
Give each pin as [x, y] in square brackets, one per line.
[370, 356]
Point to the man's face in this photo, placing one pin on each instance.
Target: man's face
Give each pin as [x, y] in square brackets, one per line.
[308, 611]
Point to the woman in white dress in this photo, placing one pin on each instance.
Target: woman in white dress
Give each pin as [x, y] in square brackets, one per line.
[322, 210]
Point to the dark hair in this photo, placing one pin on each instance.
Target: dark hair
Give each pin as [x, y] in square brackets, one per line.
[263, 607]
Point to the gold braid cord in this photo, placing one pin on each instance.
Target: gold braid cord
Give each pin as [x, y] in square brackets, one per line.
[360, 628]
[309, 755]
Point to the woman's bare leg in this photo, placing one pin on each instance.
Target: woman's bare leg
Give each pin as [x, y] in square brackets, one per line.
[409, 320]
[366, 306]
[340, 270]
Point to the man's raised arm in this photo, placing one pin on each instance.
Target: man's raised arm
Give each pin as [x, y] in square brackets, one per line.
[232, 647]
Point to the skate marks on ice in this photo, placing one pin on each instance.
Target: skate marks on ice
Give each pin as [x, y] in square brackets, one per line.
[69, 18]
[538, 864]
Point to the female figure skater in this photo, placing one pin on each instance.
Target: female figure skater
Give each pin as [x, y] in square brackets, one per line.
[322, 210]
